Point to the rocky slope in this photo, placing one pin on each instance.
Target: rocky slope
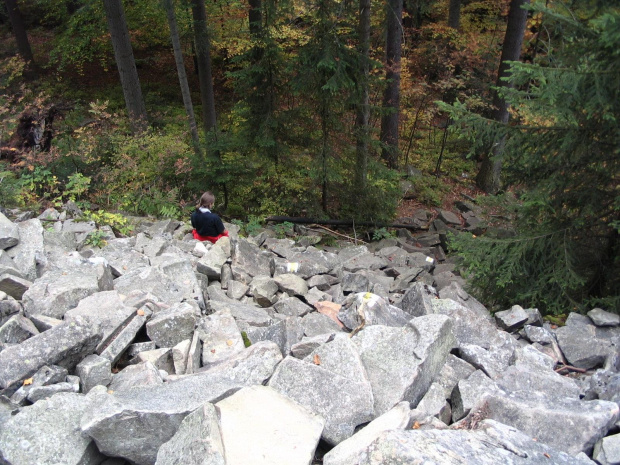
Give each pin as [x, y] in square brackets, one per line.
[161, 349]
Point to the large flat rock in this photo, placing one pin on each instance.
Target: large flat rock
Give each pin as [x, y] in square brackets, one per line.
[65, 345]
[48, 433]
[263, 427]
[491, 444]
[344, 403]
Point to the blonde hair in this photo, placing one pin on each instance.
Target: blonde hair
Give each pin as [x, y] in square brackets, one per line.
[207, 200]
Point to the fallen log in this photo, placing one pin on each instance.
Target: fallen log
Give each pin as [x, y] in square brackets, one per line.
[351, 223]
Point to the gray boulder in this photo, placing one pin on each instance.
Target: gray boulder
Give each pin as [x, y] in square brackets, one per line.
[220, 337]
[58, 291]
[122, 257]
[119, 343]
[198, 441]
[170, 326]
[65, 345]
[48, 433]
[44, 392]
[30, 248]
[93, 371]
[133, 424]
[263, 289]
[314, 386]
[367, 309]
[315, 323]
[292, 284]
[468, 392]
[567, 424]
[285, 333]
[346, 452]
[492, 361]
[160, 358]
[141, 374]
[418, 300]
[512, 319]
[456, 292]
[16, 330]
[248, 259]
[490, 443]
[292, 306]
[607, 450]
[402, 362]
[261, 426]
[180, 353]
[469, 327]
[153, 280]
[355, 282]
[9, 233]
[518, 378]
[602, 318]
[581, 347]
[104, 309]
[14, 285]
[305, 264]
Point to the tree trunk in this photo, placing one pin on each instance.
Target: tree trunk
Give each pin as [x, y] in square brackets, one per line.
[255, 17]
[363, 109]
[203, 52]
[126, 65]
[391, 96]
[178, 58]
[454, 14]
[488, 178]
[19, 30]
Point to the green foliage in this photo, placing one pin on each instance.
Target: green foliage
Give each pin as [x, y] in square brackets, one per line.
[562, 154]
[10, 188]
[96, 239]
[249, 227]
[41, 185]
[283, 229]
[246, 339]
[382, 233]
[115, 220]
[430, 190]
[533, 271]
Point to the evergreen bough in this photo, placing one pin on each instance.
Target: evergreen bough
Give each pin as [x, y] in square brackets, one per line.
[561, 157]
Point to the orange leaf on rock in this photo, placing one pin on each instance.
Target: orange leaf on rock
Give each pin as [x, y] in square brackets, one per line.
[416, 425]
[316, 360]
[28, 382]
[141, 312]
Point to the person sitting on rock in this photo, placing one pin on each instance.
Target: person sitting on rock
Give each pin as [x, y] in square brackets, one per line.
[207, 226]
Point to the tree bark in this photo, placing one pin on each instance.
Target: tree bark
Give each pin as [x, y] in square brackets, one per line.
[126, 64]
[19, 30]
[178, 58]
[391, 96]
[255, 17]
[454, 14]
[205, 76]
[488, 178]
[363, 109]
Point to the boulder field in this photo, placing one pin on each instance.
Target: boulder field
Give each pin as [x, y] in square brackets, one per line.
[159, 349]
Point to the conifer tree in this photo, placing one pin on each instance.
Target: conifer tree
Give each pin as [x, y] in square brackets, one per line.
[391, 96]
[488, 178]
[19, 30]
[563, 157]
[362, 129]
[126, 64]
[178, 58]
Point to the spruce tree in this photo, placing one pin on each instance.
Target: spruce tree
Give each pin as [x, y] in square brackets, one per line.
[562, 157]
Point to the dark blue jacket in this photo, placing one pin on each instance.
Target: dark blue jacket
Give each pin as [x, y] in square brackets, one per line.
[207, 223]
